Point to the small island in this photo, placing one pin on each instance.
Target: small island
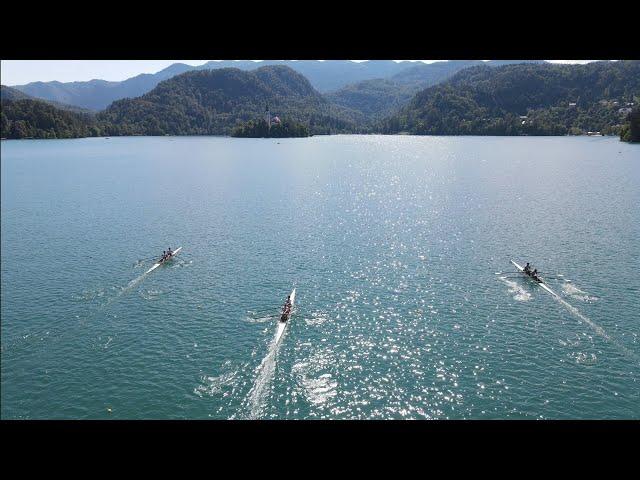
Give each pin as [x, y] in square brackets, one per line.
[270, 127]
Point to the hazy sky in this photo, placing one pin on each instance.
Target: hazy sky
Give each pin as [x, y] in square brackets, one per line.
[18, 72]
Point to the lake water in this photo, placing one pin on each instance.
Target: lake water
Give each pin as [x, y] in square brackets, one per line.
[398, 246]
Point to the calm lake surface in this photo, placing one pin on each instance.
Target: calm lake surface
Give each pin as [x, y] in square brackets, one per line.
[398, 246]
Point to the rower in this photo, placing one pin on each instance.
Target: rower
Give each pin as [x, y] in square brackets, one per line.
[527, 268]
[286, 309]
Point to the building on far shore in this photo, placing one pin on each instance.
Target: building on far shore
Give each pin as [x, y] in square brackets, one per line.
[269, 119]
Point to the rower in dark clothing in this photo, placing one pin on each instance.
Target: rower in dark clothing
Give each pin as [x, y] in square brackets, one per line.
[527, 268]
[286, 309]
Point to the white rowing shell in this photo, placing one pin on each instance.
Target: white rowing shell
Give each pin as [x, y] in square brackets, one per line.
[157, 264]
[541, 284]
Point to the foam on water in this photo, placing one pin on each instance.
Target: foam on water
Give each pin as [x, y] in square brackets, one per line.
[316, 384]
[520, 293]
[571, 290]
[259, 319]
[213, 386]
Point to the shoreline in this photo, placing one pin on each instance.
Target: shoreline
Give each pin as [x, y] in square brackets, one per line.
[319, 135]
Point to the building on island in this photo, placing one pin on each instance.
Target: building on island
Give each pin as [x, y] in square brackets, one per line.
[267, 116]
[269, 119]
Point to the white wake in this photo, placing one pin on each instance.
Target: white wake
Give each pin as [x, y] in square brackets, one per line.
[520, 293]
[257, 397]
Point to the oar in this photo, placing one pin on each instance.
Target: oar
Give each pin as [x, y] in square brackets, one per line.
[265, 311]
[142, 260]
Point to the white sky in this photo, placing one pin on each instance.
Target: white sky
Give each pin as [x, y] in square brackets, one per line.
[19, 72]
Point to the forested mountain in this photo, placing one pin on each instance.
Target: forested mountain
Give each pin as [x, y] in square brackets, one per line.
[8, 93]
[214, 102]
[533, 99]
[380, 97]
[98, 94]
[30, 118]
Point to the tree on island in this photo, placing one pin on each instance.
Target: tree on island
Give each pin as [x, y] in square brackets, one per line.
[260, 129]
[631, 131]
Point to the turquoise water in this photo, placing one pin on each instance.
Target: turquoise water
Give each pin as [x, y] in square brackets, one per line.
[398, 246]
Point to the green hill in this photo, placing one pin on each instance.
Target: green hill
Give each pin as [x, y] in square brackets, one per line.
[524, 99]
[383, 96]
[214, 102]
[28, 118]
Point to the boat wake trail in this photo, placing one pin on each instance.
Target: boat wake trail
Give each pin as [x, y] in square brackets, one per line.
[125, 289]
[135, 281]
[256, 399]
[597, 328]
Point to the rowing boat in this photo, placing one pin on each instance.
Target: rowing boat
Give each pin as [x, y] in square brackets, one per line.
[282, 323]
[157, 264]
[537, 280]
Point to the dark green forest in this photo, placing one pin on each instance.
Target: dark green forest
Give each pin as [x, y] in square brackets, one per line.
[631, 131]
[260, 129]
[36, 119]
[526, 99]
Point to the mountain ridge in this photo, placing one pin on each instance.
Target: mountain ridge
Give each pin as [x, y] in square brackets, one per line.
[9, 93]
[98, 94]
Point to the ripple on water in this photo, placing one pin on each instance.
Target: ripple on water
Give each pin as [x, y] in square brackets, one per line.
[317, 385]
[220, 386]
[151, 294]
